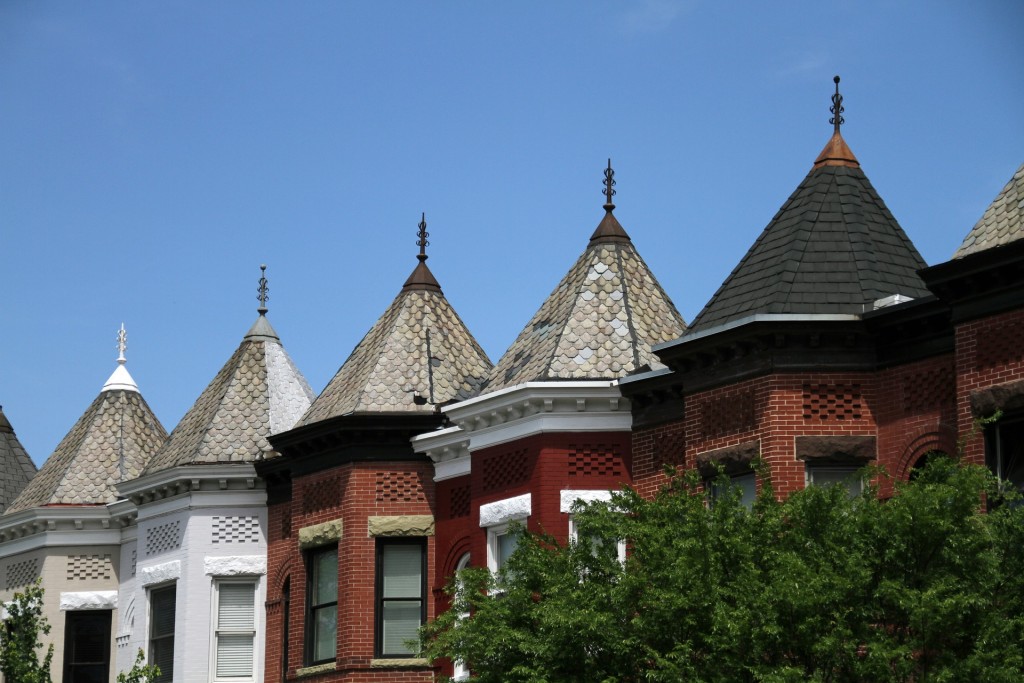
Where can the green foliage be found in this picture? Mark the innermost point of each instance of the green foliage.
(140, 671)
(19, 661)
(820, 587)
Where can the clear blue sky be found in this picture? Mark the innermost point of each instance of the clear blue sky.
(152, 155)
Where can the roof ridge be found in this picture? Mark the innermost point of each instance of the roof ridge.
(628, 307)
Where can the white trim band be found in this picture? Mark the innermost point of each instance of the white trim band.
(568, 498)
(503, 511)
(159, 573)
(78, 600)
(237, 565)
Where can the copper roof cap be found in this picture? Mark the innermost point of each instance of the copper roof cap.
(836, 152)
(609, 229)
(421, 277)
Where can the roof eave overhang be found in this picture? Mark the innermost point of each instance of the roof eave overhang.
(980, 284)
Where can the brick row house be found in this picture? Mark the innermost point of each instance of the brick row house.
(305, 538)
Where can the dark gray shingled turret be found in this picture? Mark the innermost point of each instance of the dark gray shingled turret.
(392, 370)
(1002, 222)
(833, 248)
(109, 444)
(16, 468)
(600, 322)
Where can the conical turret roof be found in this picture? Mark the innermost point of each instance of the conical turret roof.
(16, 468)
(419, 354)
(111, 442)
(833, 248)
(258, 392)
(600, 321)
(1002, 222)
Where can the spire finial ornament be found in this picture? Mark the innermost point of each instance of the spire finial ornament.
(423, 235)
(609, 183)
(263, 290)
(122, 344)
(837, 108)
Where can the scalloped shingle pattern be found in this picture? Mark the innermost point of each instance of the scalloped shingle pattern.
(258, 392)
(599, 323)
(1002, 222)
(110, 443)
(390, 363)
(16, 468)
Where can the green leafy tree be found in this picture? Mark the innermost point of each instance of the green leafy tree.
(19, 641)
(140, 671)
(925, 586)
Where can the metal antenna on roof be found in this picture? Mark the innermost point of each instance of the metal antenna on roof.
(122, 344)
(609, 183)
(423, 235)
(837, 108)
(263, 290)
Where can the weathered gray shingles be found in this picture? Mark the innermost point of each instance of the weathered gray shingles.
(1002, 222)
(110, 443)
(230, 421)
(599, 322)
(390, 362)
(16, 468)
(833, 247)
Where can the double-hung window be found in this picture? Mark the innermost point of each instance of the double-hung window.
(87, 646)
(234, 630)
(501, 543)
(322, 605)
(162, 605)
(401, 588)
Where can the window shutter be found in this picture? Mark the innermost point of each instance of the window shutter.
(403, 565)
(236, 625)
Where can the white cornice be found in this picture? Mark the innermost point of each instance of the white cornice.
(177, 480)
(525, 410)
(67, 519)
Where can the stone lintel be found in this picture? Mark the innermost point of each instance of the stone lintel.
(314, 670)
(733, 459)
(401, 525)
(1006, 396)
(836, 448)
(398, 663)
(320, 534)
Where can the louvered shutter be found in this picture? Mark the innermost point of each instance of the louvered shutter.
(236, 632)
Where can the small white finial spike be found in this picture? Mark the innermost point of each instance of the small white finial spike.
(122, 344)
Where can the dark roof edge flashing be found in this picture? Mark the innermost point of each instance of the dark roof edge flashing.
(754, 319)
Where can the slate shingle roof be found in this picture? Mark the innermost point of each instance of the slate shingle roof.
(16, 468)
(110, 443)
(1002, 222)
(833, 248)
(389, 366)
(258, 392)
(600, 321)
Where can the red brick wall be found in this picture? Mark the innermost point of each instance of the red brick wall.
(353, 493)
(988, 351)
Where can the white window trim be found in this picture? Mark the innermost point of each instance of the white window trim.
(506, 510)
(460, 671)
(620, 546)
(493, 532)
(215, 630)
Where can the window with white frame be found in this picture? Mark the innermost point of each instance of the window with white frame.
(234, 630)
(501, 543)
(162, 607)
(460, 670)
(595, 543)
(832, 474)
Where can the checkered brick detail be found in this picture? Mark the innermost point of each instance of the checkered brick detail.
(505, 469)
(832, 402)
(670, 448)
(594, 461)
(321, 495)
(399, 487)
(22, 573)
(926, 389)
(1000, 345)
(286, 523)
(84, 567)
(728, 414)
(460, 502)
(236, 530)
(160, 539)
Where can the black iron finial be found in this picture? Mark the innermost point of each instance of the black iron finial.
(263, 290)
(837, 108)
(423, 235)
(609, 183)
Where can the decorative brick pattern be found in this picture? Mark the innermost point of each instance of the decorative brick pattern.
(728, 414)
(399, 487)
(670, 447)
(236, 530)
(22, 573)
(135, 557)
(1000, 345)
(321, 495)
(286, 523)
(460, 501)
(160, 539)
(506, 469)
(832, 402)
(84, 567)
(595, 461)
(926, 389)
